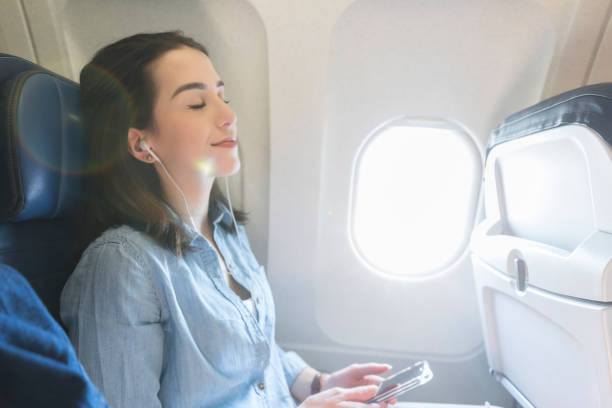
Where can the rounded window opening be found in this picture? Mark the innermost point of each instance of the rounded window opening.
(414, 195)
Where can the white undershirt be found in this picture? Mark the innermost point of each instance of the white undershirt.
(247, 302)
(251, 306)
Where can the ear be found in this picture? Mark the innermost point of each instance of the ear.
(134, 137)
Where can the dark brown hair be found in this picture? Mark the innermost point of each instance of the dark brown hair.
(117, 93)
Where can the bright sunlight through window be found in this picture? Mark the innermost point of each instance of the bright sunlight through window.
(414, 198)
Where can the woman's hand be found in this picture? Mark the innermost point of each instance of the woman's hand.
(356, 375)
(343, 398)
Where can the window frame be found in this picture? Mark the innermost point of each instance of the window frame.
(475, 205)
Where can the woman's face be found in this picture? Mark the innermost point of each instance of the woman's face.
(194, 130)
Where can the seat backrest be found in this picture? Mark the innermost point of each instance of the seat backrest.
(543, 255)
(547, 192)
(41, 160)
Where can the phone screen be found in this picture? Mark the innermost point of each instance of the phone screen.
(402, 381)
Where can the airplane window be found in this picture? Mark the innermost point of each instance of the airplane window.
(413, 198)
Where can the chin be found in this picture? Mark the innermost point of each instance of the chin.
(228, 169)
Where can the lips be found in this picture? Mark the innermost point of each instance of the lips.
(229, 142)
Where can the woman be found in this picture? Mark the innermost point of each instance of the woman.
(168, 306)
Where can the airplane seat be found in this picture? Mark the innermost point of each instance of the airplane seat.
(542, 257)
(42, 157)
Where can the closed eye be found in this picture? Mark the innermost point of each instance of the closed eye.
(199, 106)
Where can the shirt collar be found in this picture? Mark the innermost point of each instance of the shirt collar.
(217, 212)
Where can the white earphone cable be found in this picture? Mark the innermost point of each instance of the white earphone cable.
(182, 195)
(229, 202)
(148, 149)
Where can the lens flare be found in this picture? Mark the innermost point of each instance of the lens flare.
(50, 153)
(48, 148)
(112, 91)
(206, 166)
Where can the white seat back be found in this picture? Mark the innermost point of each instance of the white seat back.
(542, 255)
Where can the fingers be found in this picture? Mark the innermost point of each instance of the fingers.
(369, 368)
(373, 379)
(363, 393)
(350, 397)
(344, 398)
(338, 394)
(362, 405)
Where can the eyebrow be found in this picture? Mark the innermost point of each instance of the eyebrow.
(193, 85)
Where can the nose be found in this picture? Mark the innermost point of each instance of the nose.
(226, 116)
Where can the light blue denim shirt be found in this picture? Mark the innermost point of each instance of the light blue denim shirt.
(152, 329)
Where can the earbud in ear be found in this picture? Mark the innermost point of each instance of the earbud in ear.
(145, 146)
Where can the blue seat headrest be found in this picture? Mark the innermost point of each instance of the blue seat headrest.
(41, 143)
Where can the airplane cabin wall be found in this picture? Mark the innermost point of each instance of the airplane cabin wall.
(310, 82)
(14, 31)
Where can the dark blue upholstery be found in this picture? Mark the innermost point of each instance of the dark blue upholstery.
(41, 160)
(39, 367)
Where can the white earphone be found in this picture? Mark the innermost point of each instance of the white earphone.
(146, 147)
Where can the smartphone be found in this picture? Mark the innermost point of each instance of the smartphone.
(403, 381)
